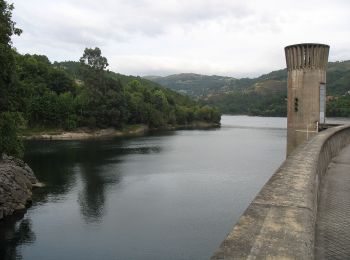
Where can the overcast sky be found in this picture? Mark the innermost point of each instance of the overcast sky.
(162, 37)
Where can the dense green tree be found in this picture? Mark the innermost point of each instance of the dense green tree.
(93, 59)
(181, 115)
(7, 61)
(339, 107)
(9, 140)
(9, 120)
(69, 95)
(59, 81)
(93, 65)
(160, 101)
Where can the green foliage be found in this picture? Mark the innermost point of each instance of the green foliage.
(69, 95)
(9, 141)
(9, 90)
(194, 84)
(7, 63)
(339, 107)
(264, 95)
(93, 59)
(160, 101)
(7, 26)
(92, 66)
(59, 81)
(251, 103)
(207, 114)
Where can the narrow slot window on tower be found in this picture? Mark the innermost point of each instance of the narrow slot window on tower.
(296, 104)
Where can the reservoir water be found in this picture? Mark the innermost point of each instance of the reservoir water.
(166, 195)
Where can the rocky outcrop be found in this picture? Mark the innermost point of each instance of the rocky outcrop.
(16, 182)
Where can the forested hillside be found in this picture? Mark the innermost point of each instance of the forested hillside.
(36, 93)
(84, 94)
(265, 95)
(194, 84)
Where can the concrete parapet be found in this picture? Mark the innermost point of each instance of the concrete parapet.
(280, 222)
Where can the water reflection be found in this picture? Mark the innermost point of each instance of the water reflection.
(96, 176)
(147, 197)
(57, 163)
(13, 233)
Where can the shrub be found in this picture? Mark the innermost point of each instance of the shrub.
(9, 141)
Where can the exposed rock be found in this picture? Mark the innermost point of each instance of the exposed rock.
(16, 183)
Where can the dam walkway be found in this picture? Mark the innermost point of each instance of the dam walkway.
(333, 215)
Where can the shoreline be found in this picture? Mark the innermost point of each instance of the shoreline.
(133, 130)
(85, 133)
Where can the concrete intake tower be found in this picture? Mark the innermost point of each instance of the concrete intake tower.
(306, 65)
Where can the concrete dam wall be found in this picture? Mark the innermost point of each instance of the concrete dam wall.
(280, 223)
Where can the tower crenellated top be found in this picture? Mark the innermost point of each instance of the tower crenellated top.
(307, 56)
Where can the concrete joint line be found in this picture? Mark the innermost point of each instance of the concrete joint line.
(283, 206)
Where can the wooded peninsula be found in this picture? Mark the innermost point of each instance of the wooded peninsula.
(38, 95)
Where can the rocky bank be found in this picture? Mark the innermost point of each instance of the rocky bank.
(16, 182)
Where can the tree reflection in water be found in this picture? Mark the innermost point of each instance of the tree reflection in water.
(56, 163)
(14, 231)
(99, 168)
(96, 176)
(61, 165)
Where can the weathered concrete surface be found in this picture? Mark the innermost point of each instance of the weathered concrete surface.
(280, 222)
(306, 64)
(333, 216)
(16, 182)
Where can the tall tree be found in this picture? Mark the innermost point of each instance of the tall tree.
(7, 61)
(9, 142)
(93, 66)
(94, 59)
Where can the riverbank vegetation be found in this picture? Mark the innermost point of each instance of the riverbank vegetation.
(9, 117)
(36, 93)
(69, 95)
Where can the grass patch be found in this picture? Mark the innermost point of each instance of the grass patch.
(131, 128)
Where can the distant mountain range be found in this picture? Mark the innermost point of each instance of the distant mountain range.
(195, 84)
(264, 95)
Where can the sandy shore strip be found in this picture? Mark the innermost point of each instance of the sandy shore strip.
(87, 134)
(82, 134)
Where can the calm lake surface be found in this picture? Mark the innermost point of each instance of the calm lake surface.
(168, 195)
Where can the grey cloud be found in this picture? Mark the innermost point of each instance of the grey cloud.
(235, 35)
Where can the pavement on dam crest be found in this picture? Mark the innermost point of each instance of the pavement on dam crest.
(333, 219)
